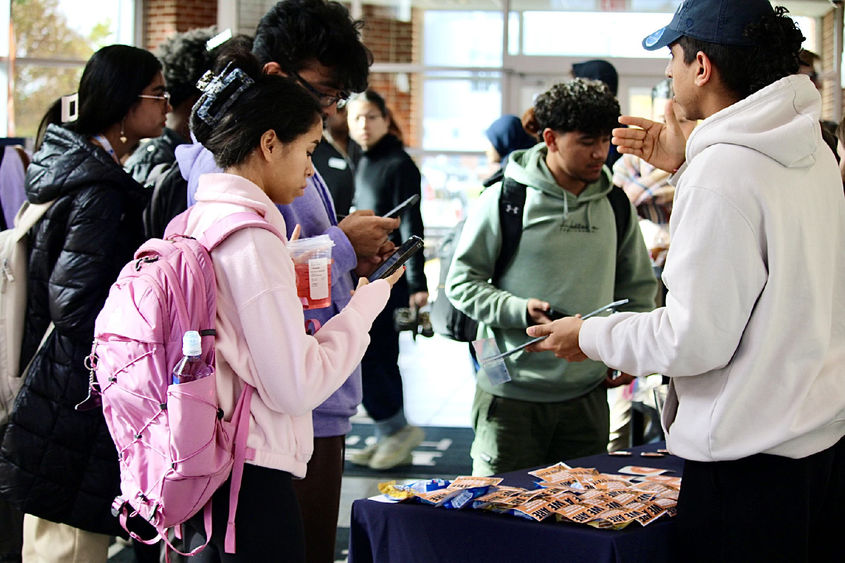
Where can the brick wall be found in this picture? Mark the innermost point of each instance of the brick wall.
(163, 18)
(392, 41)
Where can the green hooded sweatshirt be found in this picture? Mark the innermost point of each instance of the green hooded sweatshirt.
(567, 256)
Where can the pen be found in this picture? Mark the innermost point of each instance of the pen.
(539, 338)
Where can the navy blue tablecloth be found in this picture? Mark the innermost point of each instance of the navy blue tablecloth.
(381, 532)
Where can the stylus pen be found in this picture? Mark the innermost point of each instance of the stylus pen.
(540, 338)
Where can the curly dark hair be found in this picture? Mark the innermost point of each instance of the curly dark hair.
(185, 59)
(295, 33)
(745, 70)
(582, 105)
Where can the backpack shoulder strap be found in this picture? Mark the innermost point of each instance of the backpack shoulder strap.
(621, 212)
(28, 215)
(497, 176)
(218, 232)
(511, 203)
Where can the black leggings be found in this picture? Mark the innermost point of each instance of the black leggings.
(268, 525)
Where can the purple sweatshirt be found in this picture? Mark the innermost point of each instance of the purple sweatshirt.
(314, 211)
(12, 192)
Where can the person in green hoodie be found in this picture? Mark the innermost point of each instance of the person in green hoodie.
(568, 260)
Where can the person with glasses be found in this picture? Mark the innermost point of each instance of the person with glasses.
(326, 99)
(316, 43)
(59, 465)
(185, 57)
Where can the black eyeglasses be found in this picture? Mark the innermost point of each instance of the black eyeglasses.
(326, 100)
(165, 97)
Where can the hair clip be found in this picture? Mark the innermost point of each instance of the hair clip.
(218, 39)
(220, 92)
(205, 80)
(70, 107)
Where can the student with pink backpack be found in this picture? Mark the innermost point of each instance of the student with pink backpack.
(262, 130)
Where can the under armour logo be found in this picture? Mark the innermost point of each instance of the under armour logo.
(512, 209)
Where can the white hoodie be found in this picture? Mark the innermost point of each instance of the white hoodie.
(752, 334)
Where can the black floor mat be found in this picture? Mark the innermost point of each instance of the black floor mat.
(443, 453)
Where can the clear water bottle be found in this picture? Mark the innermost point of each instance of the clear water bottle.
(191, 366)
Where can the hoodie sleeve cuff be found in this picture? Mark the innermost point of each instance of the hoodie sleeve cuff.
(676, 174)
(515, 313)
(588, 337)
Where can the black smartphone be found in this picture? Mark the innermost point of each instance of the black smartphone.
(555, 314)
(398, 258)
(402, 207)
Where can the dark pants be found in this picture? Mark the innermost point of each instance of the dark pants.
(319, 498)
(11, 533)
(268, 525)
(381, 380)
(511, 434)
(764, 508)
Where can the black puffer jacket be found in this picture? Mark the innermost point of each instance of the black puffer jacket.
(161, 150)
(154, 166)
(55, 462)
(385, 177)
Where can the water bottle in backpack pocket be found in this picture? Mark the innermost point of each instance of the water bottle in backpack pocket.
(191, 367)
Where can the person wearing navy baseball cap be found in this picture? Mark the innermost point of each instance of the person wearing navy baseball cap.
(722, 22)
(752, 336)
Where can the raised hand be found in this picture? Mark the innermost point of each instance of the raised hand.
(660, 144)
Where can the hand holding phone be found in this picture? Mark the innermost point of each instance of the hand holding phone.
(402, 207)
(398, 258)
(555, 314)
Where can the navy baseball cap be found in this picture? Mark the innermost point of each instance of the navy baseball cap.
(716, 21)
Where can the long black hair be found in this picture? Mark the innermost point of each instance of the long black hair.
(110, 84)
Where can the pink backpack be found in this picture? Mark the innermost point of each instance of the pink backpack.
(174, 447)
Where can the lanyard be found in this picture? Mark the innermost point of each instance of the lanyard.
(106, 145)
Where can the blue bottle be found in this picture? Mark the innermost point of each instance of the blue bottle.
(191, 367)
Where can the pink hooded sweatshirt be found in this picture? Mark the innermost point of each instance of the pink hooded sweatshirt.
(261, 338)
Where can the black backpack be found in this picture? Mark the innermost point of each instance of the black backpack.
(457, 325)
(169, 197)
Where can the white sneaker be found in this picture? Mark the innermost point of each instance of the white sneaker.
(396, 449)
(363, 457)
